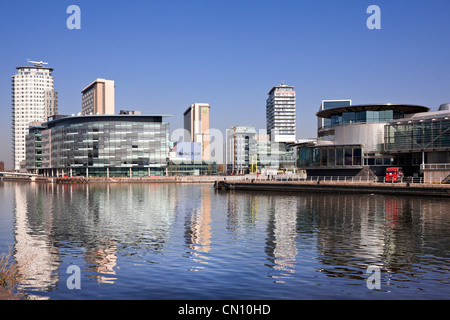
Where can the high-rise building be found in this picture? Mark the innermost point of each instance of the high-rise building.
(196, 124)
(98, 98)
(51, 103)
(33, 99)
(280, 113)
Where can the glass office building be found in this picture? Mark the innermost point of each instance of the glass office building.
(34, 148)
(108, 146)
(250, 152)
(416, 135)
(329, 156)
(424, 137)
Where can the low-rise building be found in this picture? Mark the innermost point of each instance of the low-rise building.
(250, 152)
(185, 159)
(100, 145)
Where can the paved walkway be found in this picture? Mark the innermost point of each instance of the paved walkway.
(5, 295)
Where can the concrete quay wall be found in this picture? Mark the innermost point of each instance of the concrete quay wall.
(442, 190)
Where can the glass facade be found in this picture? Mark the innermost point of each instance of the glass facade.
(327, 105)
(248, 152)
(330, 156)
(190, 168)
(34, 148)
(409, 136)
(363, 117)
(115, 146)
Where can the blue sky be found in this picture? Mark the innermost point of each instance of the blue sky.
(165, 55)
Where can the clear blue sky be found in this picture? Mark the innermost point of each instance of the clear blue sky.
(165, 55)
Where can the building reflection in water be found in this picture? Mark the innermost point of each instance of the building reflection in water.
(357, 231)
(245, 212)
(54, 222)
(198, 234)
(350, 235)
(284, 237)
(281, 233)
(34, 250)
(340, 235)
(101, 257)
(133, 219)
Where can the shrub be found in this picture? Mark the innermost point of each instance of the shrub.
(10, 276)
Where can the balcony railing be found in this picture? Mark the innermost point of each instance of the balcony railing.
(345, 179)
(435, 166)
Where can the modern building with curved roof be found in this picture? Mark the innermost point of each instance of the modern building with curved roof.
(350, 140)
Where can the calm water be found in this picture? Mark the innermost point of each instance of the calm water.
(167, 241)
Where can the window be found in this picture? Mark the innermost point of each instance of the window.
(348, 156)
(339, 157)
(323, 158)
(357, 156)
(331, 157)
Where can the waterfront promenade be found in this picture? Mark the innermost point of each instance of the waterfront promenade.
(285, 183)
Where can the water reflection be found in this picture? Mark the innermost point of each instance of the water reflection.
(198, 233)
(281, 233)
(122, 233)
(407, 237)
(96, 222)
(34, 249)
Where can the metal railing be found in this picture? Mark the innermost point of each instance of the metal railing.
(435, 166)
(351, 179)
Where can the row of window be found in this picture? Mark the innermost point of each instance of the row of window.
(362, 117)
(332, 157)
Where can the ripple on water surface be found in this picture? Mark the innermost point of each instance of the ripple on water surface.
(169, 241)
